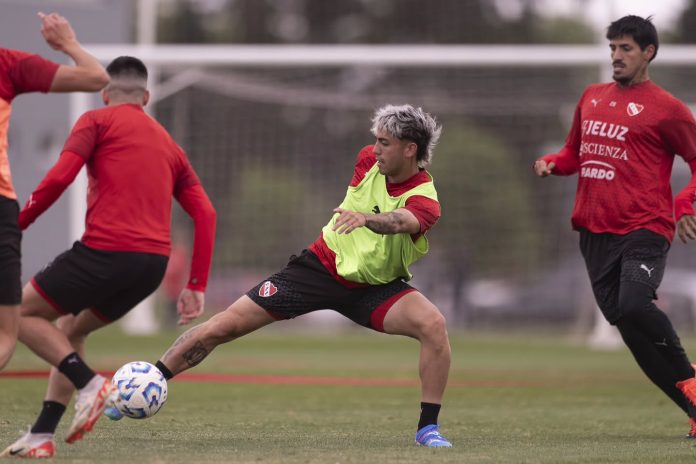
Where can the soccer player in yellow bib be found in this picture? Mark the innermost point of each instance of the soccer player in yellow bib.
(359, 265)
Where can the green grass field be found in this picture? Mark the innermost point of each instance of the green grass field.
(513, 399)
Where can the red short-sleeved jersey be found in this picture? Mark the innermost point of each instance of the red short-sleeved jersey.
(622, 144)
(20, 72)
(134, 167)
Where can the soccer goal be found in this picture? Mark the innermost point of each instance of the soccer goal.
(273, 132)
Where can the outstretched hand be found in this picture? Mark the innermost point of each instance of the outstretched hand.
(542, 169)
(686, 227)
(190, 305)
(57, 31)
(347, 221)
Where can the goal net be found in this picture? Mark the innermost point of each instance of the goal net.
(273, 132)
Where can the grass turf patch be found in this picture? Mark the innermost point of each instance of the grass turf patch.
(512, 399)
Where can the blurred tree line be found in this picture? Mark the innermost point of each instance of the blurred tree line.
(362, 21)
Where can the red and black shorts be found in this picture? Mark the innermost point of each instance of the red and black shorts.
(10, 253)
(110, 283)
(305, 285)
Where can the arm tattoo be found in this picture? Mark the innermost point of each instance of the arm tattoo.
(386, 223)
(194, 355)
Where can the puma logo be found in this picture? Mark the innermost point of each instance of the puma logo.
(647, 269)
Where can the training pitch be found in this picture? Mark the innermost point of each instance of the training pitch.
(282, 396)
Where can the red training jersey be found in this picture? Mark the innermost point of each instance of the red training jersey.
(622, 143)
(426, 210)
(20, 72)
(134, 168)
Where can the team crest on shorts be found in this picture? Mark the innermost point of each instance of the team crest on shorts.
(267, 289)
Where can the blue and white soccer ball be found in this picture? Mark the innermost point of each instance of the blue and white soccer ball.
(142, 389)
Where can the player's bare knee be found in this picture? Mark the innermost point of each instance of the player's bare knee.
(433, 327)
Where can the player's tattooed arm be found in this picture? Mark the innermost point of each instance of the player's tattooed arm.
(394, 222)
(399, 221)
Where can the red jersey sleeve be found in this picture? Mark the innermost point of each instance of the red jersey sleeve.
(196, 203)
(426, 210)
(24, 72)
(186, 177)
(364, 161)
(84, 136)
(61, 175)
(567, 160)
(33, 73)
(679, 132)
(684, 201)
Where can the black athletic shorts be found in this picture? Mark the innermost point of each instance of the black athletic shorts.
(110, 283)
(639, 256)
(10, 253)
(305, 285)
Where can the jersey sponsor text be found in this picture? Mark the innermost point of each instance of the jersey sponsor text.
(597, 170)
(604, 129)
(587, 148)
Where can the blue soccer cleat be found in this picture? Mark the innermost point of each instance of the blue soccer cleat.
(113, 413)
(430, 437)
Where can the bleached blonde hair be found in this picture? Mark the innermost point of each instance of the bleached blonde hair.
(408, 123)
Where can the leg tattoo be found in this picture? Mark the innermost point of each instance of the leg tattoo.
(195, 354)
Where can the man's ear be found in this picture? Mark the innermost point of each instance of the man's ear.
(412, 149)
(649, 52)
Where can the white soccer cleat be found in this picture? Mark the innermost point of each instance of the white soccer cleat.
(89, 407)
(31, 445)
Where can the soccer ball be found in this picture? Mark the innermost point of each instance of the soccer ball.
(142, 389)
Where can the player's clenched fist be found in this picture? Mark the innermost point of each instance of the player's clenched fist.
(56, 30)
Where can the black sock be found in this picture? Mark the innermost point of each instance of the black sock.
(47, 422)
(75, 369)
(428, 416)
(164, 370)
